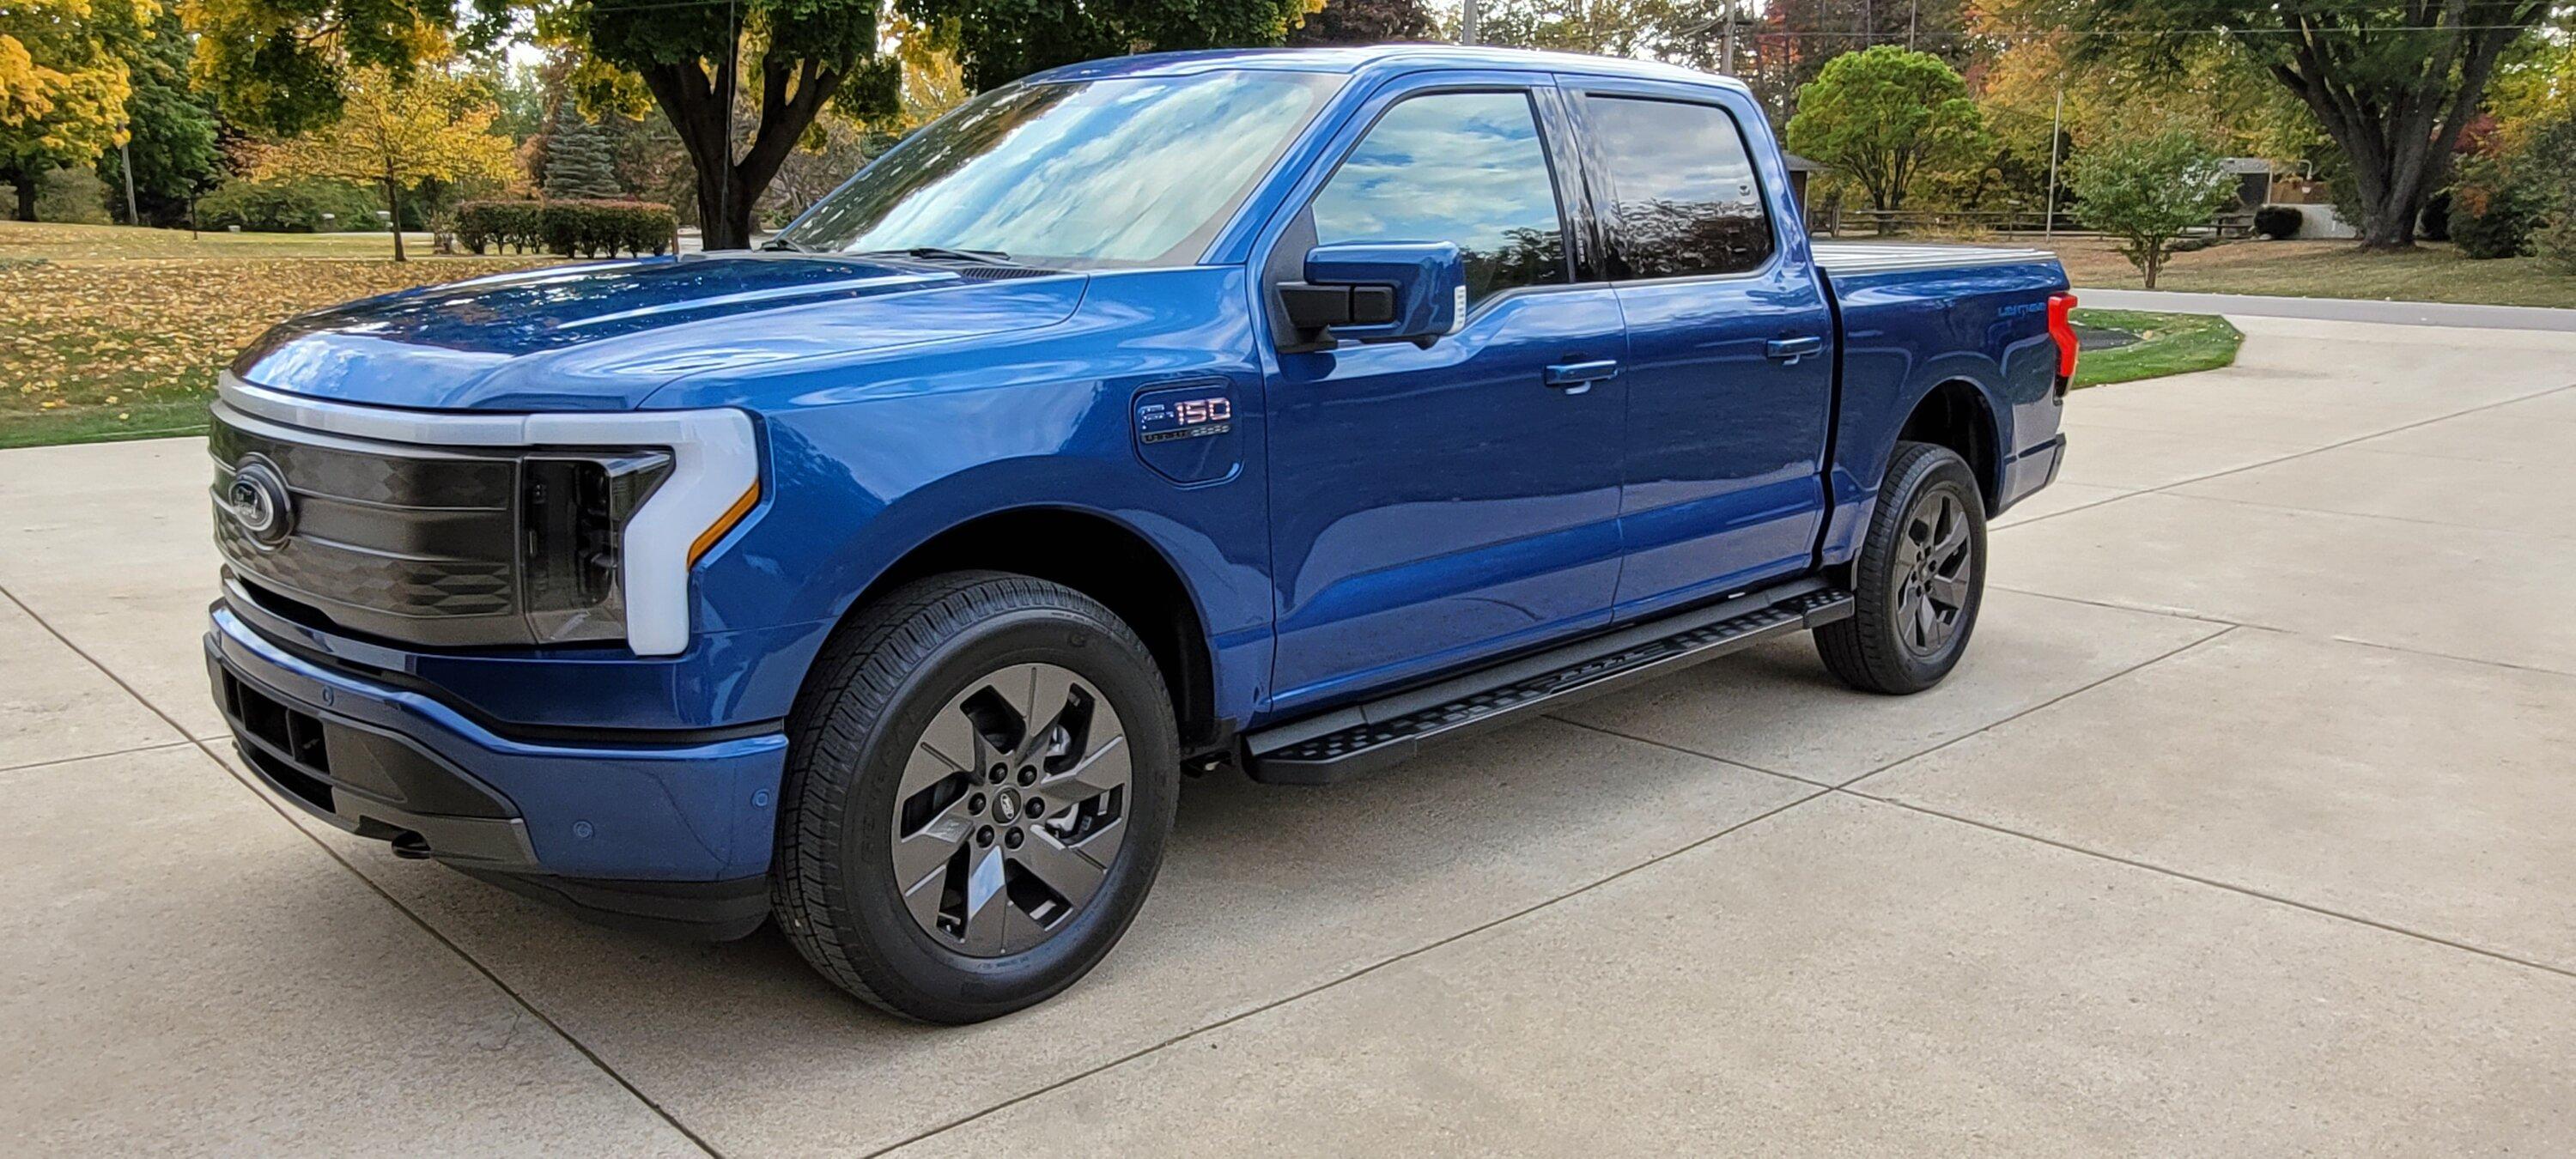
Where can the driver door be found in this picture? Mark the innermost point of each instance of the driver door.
(1434, 505)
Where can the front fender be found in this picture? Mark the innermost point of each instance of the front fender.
(870, 462)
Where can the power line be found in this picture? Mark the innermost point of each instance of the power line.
(1758, 31)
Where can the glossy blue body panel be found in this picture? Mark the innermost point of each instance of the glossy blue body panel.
(1373, 515)
(1904, 335)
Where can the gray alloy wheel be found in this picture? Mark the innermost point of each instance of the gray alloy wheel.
(982, 774)
(1918, 580)
(1938, 562)
(1011, 810)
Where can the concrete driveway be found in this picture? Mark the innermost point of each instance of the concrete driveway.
(2249, 825)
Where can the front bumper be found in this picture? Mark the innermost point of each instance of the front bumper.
(673, 836)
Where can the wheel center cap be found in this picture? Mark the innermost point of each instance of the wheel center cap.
(1006, 806)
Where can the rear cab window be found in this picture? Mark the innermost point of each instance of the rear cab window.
(1686, 198)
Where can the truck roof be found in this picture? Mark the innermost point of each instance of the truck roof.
(1378, 58)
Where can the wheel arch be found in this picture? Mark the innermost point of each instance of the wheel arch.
(1100, 557)
(1957, 414)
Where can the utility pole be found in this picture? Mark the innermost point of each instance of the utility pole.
(1467, 22)
(2048, 218)
(125, 158)
(1726, 60)
(1913, 20)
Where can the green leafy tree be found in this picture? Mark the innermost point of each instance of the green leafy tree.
(2393, 82)
(278, 63)
(801, 56)
(1884, 117)
(63, 86)
(1002, 40)
(173, 132)
(581, 162)
(1365, 22)
(2146, 190)
(398, 133)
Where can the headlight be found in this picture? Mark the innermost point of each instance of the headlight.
(572, 525)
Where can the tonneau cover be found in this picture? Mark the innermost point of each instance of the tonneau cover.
(1869, 257)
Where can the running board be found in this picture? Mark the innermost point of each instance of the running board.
(1366, 738)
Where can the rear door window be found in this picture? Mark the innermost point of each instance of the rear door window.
(1683, 183)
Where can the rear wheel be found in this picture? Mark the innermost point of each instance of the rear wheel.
(981, 780)
(1919, 580)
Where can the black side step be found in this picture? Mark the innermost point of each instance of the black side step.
(1353, 741)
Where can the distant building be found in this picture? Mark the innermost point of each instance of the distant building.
(1799, 168)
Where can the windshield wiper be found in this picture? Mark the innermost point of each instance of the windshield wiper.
(782, 242)
(944, 253)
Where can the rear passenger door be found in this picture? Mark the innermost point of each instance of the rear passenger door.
(1730, 360)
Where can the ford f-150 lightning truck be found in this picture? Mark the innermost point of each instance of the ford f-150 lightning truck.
(1281, 411)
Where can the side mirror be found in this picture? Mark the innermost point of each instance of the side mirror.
(1377, 292)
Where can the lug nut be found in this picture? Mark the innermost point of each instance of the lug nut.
(975, 804)
(984, 836)
(1037, 807)
(1028, 774)
(1013, 840)
(999, 772)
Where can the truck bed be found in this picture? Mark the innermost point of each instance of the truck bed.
(1876, 257)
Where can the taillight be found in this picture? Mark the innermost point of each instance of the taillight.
(2062, 330)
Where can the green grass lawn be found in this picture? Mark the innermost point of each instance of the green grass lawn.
(113, 332)
(2433, 272)
(2167, 344)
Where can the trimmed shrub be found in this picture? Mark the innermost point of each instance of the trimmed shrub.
(2278, 222)
(602, 228)
(289, 207)
(2491, 218)
(72, 196)
(570, 228)
(486, 226)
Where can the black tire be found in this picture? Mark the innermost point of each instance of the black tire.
(891, 673)
(1884, 646)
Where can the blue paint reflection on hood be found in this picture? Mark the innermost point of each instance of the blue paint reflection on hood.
(606, 336)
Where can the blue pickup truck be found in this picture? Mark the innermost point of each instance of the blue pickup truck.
(1274, 411)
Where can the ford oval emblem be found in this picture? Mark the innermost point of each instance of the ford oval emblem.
(260, 503)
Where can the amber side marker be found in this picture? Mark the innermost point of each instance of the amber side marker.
(724, 523)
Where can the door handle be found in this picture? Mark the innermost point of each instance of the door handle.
(1793, 349)
(1579, 376)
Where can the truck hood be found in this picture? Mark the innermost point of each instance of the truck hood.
(606, 336)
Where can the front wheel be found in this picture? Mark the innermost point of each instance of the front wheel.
(982, 774)
(1919, 579)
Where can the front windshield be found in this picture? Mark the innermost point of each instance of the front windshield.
(1129, 171)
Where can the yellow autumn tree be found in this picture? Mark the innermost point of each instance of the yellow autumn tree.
(63, 85)
(395, 132)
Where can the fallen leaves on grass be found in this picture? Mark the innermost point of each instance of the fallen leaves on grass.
(99, 333)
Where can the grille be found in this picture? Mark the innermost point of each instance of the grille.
(390, 540)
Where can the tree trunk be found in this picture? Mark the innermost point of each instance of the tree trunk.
(393, 205)
(2399, 148)
(724, 209)
(728, 187)
(28, 183)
